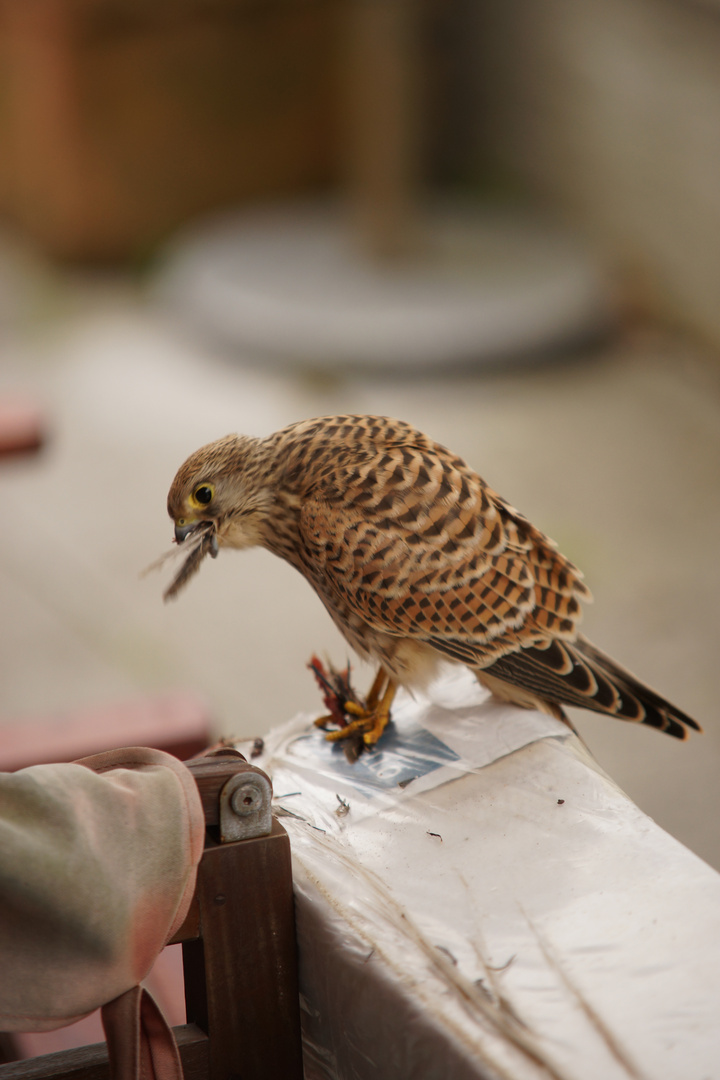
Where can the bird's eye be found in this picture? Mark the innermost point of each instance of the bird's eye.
(203, 494)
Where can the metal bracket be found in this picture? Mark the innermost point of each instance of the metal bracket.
(245, 806)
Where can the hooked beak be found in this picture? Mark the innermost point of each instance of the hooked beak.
(183, 531)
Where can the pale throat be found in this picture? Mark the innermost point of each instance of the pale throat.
(251, 525)
(242, 531)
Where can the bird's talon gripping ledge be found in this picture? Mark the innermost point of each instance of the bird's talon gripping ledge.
(380, 722)
(347, 731)
(355, 710)
(357, 722)
(323, 720)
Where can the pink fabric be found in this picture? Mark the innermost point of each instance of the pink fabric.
(98, 863)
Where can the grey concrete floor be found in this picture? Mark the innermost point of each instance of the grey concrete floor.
(614, 453)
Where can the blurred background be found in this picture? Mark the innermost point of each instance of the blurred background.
(498, 221)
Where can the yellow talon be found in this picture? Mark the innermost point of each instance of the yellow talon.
(381, 722)
(371, 720)
(349, 729)
(355, 710)
(323, 720)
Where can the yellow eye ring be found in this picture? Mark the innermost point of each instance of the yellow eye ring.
(203, 494)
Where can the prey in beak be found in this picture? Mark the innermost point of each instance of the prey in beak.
(184, 529)
(200, 538)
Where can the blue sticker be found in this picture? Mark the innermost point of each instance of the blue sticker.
(402, 757)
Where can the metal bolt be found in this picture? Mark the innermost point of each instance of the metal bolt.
(245, 806)
(242, 801)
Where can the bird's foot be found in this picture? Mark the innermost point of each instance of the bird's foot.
(359, 723)
(368, 722)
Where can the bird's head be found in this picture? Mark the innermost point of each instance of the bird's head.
(222, 486)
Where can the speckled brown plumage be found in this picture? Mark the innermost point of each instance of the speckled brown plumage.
(415, 558)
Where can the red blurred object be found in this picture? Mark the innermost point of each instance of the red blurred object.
(177, 722)
(23, 426)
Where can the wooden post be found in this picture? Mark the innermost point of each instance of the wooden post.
(381, 90)
(241, 974)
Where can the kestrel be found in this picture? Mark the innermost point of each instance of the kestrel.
(416, 559)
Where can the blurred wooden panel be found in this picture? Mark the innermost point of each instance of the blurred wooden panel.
(120, 120)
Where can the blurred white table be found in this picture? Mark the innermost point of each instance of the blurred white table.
(290, 284)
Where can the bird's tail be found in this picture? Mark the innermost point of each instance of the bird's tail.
(638, 701)
(577, 673)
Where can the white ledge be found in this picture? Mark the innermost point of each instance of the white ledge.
(521, 918)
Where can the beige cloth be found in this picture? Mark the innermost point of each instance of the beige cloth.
(98, 862)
